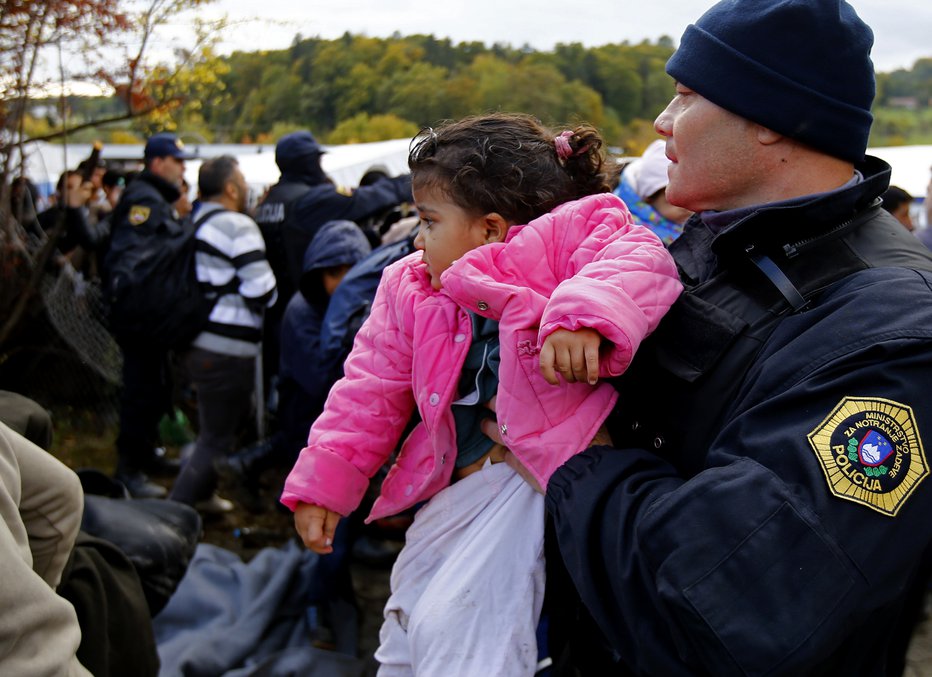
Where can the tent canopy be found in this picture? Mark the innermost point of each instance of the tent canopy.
(345, 164)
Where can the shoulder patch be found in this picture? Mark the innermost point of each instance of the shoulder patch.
(870, 452)
(138, 215)
(343, 190)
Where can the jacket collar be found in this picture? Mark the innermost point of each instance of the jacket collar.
(305, 178)
(781, 226)
(167, 190)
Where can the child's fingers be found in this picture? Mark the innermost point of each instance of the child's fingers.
(309, 523)
(330, 527)
(592, 363)
(563, 361)
(313, 531)
(308, 529)
(491, 430)
(547, 360)
(570, 364)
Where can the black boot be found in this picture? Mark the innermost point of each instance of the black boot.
(138, 484)
(247, 463)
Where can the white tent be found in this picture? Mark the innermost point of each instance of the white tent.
(911, 171)
(345, 164)
(911, 167)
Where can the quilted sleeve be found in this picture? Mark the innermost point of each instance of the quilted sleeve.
(618, 279)
(366, 410)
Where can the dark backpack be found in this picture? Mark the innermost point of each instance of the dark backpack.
(153, 293)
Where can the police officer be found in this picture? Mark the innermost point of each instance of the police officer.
(295, 155)
(763, 504)
(145, 205)
(302, 201)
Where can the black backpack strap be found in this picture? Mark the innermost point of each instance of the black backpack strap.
(204, 218)
(233, 284)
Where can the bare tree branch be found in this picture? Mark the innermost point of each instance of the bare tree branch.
(122, 117)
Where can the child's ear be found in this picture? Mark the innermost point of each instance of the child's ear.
(496, 227)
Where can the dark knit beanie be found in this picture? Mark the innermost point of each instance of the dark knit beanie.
(295, 151)
(799, 67)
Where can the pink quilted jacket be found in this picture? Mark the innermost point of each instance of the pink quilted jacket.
(585, 264)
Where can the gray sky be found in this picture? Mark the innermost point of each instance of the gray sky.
(902, 28)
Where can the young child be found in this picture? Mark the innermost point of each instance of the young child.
(488, 306)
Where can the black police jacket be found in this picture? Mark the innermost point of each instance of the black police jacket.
(325, 202)
(76, 231)
(765, 508)
(271, 216)
(146, 203)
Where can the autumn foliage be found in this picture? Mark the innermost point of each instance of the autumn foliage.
(50, 47)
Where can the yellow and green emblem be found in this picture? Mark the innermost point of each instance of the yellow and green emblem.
(870, 452)
(138, 214)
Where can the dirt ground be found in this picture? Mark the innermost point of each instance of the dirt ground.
(272, 528)
(919, 656)
(83, 441)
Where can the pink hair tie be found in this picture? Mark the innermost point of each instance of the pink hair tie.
(562, 144)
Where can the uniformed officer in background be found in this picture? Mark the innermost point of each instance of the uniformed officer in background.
(146, 203)
(295, 208)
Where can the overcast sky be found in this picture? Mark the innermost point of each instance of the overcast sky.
(902, 28)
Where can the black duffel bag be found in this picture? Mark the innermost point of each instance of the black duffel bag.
(158, 536)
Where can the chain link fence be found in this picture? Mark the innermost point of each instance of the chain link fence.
(62, 354)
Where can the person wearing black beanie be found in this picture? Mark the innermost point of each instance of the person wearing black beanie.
(296, 207)
(799, 67)
(760, 503)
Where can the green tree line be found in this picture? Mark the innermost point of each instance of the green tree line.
(336, 87)
(357, 89)
(894, 126)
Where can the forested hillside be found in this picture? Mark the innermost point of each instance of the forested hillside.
(358, 88)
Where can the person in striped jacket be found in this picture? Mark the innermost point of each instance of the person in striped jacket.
(221, 361)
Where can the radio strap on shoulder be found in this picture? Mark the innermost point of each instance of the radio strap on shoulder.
(779, 280)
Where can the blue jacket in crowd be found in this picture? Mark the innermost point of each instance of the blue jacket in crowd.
(338, 243)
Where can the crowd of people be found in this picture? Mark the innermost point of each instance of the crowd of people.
(659, 419)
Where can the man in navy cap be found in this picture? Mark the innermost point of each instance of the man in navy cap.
(298, 157)
(302, 201)
(146, 205)
(762, 505)
(305, 198)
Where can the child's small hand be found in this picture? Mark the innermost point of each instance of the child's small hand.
(575, 354)
(316, 525)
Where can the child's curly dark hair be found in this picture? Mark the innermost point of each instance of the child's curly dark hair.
(508, 163)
